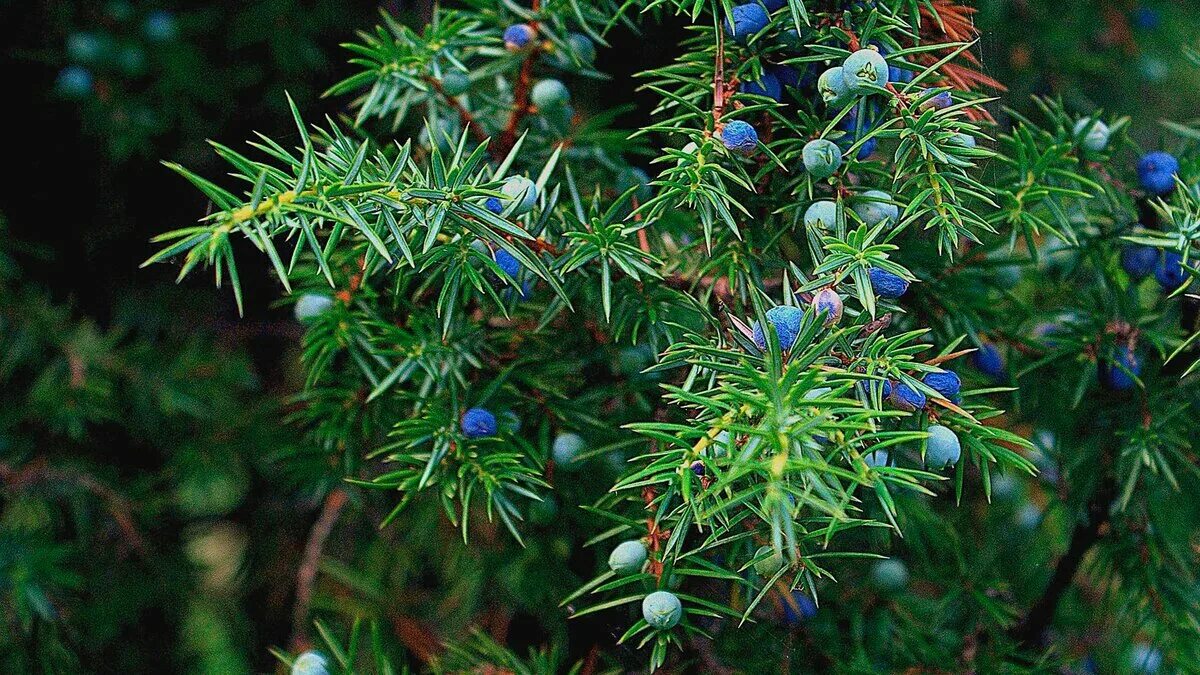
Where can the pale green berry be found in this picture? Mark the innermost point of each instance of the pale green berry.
(549, 93)
(875, 207)
(822, 158)
(822, 214)
(864, 69)
(628, 557)
(455, 82)
(832, 86)
(662, 610)
(521, 192)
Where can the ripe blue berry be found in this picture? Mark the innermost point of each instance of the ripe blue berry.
(875, 207)
(786, 322)
(904, 397)
(74, 82)
(942, 449)
(938, 101)
(628, 557)
(876, 459)
(768, 85)
(566, 450)
(822, 214)
(988, 360)
(507, 263)
(767, 561)
(310, 663)
(787, 76)
(887, 285)
(864, 69)
(455, 82)
(822, 158)
(832, 86)
(517, 36)
(661, 609)
(697, 468)
(1092, 134)
(312, 305)
(1139, 261)
(798, 607)
(746, 21)
(521, 192)
(739, 137)
(1118, 373)
(549, 93)
(1170, 273)
(1156, 172)
(582, 48)
(829, 304)
(477, 423)
(890, 576)
(494, 205)
(944, 382)
(773, 5)
(159, 25)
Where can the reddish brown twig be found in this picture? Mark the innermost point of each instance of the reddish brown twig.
(521, 107)
(307, 575)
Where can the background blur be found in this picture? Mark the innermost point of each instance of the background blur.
(183, 413)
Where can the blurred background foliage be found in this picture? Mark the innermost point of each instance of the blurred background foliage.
(120, 389)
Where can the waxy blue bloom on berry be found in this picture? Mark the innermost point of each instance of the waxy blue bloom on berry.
(1170, 273)
(310, 663)
(829, 304)
(798, 607)
(785, 319)
(74, 82)
(890, 576)
(628, 557)
(1092, 134)
(549, 93)
(582, 47)
(832, 86)
(747, 21)
(876, 459)
(942, 449)
(455, 82)
(786, 75)
(494, 205)
(822, 214)
(944, 382)
(768, 85)
(773, 5)
(1156, 172)
(1145, 659)
(1139, 261)
(566, 450)
(887, 285)
(739, 137)
(864, 69)
(875, 207)
(938, 101)
(988, 360)
(661, 609)
(159, 25)
(517, 36)
(477, 423)
(312, 305)
(822, 158)
(520, 191)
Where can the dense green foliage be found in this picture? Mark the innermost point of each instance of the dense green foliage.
(799, 491)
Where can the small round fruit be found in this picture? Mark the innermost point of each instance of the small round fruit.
(1170, 272)
(832, 86)
(785, 319)
(566, 450)
(822, 215)
(822, 158)
(945, 382)
(864, 69)
(768, 561)
(518, 36)
(74, 82)
(829, 304)
(890, 576)
(549, 93)
(989, 361)
(876, 459)
(312, 305)
(1092, 134)
(942, 449)
(507, 263)
(904, 397)
(477, 423)
(1156, 172)
(767, 86)
(938, 101)
(746, 21)
(798, 607)
(739, 137)
(887, 285)
(310, 663)
(582, 48)
(521, 192)
(1139, 261)
(1119, 373)
(875, 207)
(455, 82)
(662, 609)
(628, 557)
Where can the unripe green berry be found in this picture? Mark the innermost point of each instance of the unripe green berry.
(310, 663)
(662, 610)
(864, 69)
(768, 561)
(566, 450)
(549, 93)
(822, 158)
(874, 208)
(521, 192)
(890, 576)
(832, 86)
(822, 215)
(628, 557)
(455, 82)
